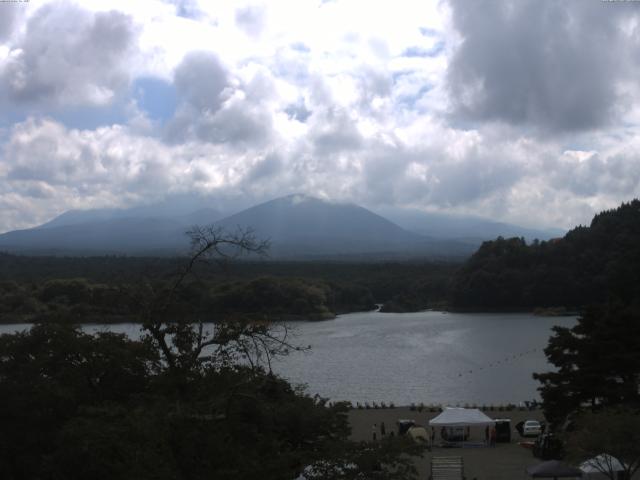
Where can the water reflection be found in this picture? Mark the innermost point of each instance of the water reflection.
(430, 357)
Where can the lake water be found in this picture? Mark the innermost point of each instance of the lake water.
(430, 357)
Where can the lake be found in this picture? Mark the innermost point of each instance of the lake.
(404, 358)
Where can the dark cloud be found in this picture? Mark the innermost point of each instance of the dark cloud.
(267, 167)
(334, 133)
(400, 174)
(374, 83)
(237, 124)
(589, 174)
(251, 19)
(213, 110)
(69, 56)
(474, 178)
(298, 111)
(200, 80)
(554, 65)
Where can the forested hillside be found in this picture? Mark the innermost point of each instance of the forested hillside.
(107, 289)
(589, 265)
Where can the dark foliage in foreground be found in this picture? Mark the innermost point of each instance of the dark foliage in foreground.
(609, 439)
(597, 361)
(77, 406)
(187, 401)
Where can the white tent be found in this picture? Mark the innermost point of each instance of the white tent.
(601, 464)
(461, 417)
(456, 426)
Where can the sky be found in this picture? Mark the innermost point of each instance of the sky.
(523, 111)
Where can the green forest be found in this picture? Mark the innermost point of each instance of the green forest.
(108, 289)
(588, 265)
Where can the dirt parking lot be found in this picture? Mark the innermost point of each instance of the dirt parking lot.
(505, 461)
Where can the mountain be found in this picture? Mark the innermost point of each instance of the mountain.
(157, 229)
(97, 237)
(297, 226)
(462, 227)
(303, 226)
(181, 211)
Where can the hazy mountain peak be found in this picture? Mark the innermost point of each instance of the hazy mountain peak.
(301, 199)
(297, 225)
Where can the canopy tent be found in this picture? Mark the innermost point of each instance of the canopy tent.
(603, 463)
(554, 469)
(456, 425)
(461, 417)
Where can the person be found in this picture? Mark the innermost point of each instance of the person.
(374, 431)
(383, 430)
(486, 435)
(493, 436)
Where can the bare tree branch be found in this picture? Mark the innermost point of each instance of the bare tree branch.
(186, 344)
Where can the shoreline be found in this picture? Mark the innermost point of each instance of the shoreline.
(328, 316)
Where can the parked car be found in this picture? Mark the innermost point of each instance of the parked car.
(531, 428)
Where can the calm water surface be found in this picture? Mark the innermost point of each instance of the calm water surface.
(430, 357)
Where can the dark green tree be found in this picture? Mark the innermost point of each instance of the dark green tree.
(48, 375)
(597, 363)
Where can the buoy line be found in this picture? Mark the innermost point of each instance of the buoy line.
(503, 361)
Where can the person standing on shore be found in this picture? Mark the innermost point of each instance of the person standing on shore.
(383, 429)
(374, 431)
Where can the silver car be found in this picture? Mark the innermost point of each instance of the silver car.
(531, 428)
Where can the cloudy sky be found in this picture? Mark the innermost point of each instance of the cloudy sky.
(524, 111)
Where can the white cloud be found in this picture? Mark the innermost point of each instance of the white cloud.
(68, 56)
(348, 100)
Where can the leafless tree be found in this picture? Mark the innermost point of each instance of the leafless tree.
(188, 344)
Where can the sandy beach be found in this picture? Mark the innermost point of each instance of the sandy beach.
(505, 461)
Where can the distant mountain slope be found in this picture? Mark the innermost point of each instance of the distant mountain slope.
(298, 226)
(470, 228)
(588, 265)
(303, 224)
(181, 214)
(113, 236)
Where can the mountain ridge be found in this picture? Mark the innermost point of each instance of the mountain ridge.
(298, 225)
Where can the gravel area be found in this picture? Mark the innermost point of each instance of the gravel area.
(505, 461)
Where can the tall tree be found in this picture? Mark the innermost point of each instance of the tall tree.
(597, 363)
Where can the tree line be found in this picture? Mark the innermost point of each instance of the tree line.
(588, 265)
(103, 289)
